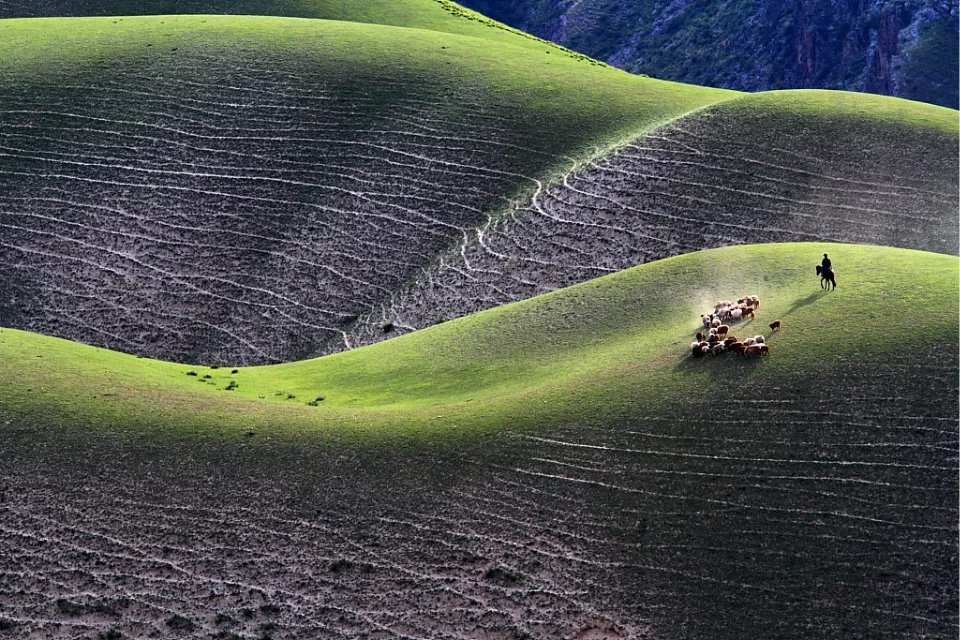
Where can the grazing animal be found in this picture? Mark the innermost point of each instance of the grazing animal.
(737, 347)
(775, 325)
(704, 349)
(699, 336)
(827, 277)
(713, 338)
(764, 350)
(736, 313)
(716, 323)
(750, 341)
(695, 350)
(718, 349)
(722, 330)
(748, 312)
(729, 341)
(759, 339)
(752, 351)
(706, 320)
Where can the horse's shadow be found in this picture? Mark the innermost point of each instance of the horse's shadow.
(802, 302)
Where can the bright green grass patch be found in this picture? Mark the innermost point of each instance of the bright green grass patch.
(435, 15)
(605, 350)
(853, 107)
(568, 105)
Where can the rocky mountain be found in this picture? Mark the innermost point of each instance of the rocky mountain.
(905, 48)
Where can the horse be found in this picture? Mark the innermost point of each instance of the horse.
(826, 276)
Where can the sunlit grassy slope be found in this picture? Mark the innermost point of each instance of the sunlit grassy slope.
(605, 350)
(569, 102)
(435, 15)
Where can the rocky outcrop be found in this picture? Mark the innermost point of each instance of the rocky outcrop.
(907, 48)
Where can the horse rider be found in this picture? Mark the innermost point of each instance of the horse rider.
(825, 263)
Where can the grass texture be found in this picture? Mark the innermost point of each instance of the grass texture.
(604, 350)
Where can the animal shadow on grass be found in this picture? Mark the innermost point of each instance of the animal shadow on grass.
(802, 302)
(722, 366)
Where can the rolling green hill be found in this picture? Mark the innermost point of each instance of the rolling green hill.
(562, 456)
(236, 189)
(240, 190)
(601, 352)
(296, 170)
(797, 166)
(433, 15)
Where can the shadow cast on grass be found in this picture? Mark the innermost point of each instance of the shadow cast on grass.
(810, 299)
(720, 367)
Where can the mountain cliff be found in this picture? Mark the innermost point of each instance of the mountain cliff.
(906, 48)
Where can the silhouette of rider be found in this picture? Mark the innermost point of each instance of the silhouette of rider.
(825, 263)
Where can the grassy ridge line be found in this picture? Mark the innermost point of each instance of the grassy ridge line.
(435, 15)
(605, 350)
(575, 108)
(827, 105)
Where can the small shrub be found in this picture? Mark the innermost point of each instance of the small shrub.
(316, 401)
(270, 609)
(6, 624)
(230, 387)
(223, 618)
(340, 565)
(68, 608)
(388, 327)
(180, 623)
(191, 373)
(290, 396)
(235, 371)
(501, 575)
(207, 376)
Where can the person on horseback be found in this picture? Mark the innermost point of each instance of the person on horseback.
(825, 271)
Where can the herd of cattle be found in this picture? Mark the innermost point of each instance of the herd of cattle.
(716, 339)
